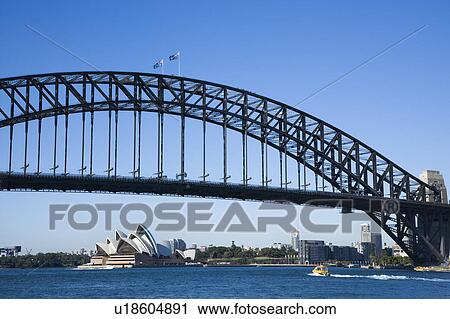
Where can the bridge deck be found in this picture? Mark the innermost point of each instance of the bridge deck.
(157, 186)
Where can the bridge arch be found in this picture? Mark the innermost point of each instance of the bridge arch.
(345, 162)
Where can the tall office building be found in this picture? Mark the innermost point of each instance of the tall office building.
(378, 243)
(295, 240)
(435, 178)
(371, 242)
(366, 236)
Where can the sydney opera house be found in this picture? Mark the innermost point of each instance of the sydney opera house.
(140, 249)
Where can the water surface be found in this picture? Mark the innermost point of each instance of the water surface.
(226, 282)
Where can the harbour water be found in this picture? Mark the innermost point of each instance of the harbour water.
(221, 282)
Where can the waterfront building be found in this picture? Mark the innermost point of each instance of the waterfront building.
(276, 245)
(312, 251)
(398, 251)
(344, 253)
(10, 251)
(140, 249)
(281, 246)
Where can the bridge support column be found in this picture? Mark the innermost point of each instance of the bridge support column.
(224, 136)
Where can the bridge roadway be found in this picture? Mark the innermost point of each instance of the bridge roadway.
(164, 186)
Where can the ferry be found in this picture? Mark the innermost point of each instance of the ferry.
(94, 267)
(433, 269)
(321, 271)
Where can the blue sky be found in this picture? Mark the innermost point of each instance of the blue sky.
(398, 103)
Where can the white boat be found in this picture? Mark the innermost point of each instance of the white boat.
(353, 266)
(92, 267)
(367, 267)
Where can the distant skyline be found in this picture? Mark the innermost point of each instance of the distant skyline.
(398, 103)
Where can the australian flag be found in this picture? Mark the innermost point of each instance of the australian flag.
(174, 56)
(158, 64)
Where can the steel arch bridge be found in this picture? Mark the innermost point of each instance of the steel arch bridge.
(325, 157)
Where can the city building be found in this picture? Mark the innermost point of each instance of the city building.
(276, 245)
(371, 242)
(295, 240)
(378, 243)
(312, 251)
(281, 246)
(139, 249)
(398, 251)
(344, 253)
(10, 251)
(436, 179)
(388, 250)
(367, 249)
(366, 236)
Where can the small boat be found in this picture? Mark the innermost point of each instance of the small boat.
(321, 271)
(367, 267)
(94, 267)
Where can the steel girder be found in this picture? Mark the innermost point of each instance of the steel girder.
(346, 163)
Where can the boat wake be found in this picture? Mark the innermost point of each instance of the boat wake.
(315, 275)
(390, 277)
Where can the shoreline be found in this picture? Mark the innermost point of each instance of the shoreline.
(220, 266)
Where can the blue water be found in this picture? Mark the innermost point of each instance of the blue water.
(232, 282)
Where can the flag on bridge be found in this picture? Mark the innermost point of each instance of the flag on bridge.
(158, 64)
(175, 56)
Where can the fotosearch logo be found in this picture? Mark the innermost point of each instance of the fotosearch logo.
(169, 216)
(196, 216)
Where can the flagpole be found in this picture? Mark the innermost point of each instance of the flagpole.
(162, 66)
(179, 64)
